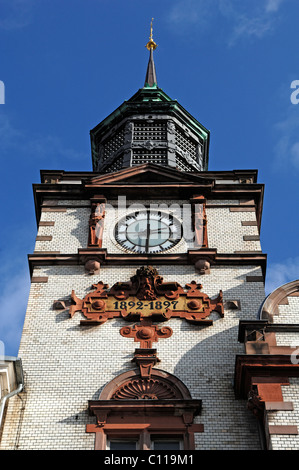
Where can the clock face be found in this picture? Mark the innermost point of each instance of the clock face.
(148, 232)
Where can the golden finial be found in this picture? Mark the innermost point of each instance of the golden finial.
(151, 44)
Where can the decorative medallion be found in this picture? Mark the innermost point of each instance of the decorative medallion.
(146, 299)
(146, 295)
(144, 389)
(146, 333)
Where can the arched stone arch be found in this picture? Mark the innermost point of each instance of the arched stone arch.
(162, 398)
(270, 306)
(160, 385)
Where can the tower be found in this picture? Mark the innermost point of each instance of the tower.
(146, 280)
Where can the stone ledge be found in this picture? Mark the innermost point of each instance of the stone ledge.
(254, 279)
(282, 429)
(53, 209)
(37, 279)
(279, 406)
(242, 209)
(46, 223)
(44, 238)
(247, 223)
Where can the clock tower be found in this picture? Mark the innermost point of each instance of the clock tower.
(143, 271)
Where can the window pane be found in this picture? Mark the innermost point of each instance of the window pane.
(167, 445)
(122, 445)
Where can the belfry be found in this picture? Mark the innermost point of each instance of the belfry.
(147, 325)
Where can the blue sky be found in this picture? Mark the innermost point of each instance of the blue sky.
(67, 64)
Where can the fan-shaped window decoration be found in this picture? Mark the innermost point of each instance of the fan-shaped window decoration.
(163, 399)
(144, 389)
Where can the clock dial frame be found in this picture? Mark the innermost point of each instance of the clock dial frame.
(148, 232)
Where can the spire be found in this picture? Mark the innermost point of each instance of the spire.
(151, 79)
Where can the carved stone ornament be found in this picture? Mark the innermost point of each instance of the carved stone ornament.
(171, 127)
(96, 224)
(202, 266)
(145, 389)
(146, 295)
(200, 223)
(255, 403)
(146, 298)
(146, 333)
(146, 359)
(92, 266)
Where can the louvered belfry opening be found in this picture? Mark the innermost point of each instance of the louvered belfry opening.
(162, 139)
(150, 127)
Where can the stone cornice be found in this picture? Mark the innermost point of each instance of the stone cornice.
(85, 185)
(265, 326)
(254, 367)
(113, 259)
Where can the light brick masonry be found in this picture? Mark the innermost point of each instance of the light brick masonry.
(286, 418)
(226, 237)
(66, 365)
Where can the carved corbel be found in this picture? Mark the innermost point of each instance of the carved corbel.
(202, 266)
(145, 359)
(101, 417)
(188, 418)
(255, 403)
(92, 267)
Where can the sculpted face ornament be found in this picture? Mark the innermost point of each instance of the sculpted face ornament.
(146, 298)
(146, 295)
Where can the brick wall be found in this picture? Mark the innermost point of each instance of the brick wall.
(286, 418)
(66, 365)
(225, 229)
(287, 314)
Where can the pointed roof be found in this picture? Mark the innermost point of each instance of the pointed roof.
(150, 103)
(151, 78)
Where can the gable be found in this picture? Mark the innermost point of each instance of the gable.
(149, 173)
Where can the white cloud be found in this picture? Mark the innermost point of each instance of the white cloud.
(38, 147)
(286, 150)
(273, 5)
(250, 27)
(8, 134)
(13, 301)
(184, 13)
(253, 19)
(295, 155)
(15, 14)
(281, 273)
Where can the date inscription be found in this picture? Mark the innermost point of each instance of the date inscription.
(141, 305)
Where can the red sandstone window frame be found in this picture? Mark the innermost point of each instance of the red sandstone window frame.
(145, 419)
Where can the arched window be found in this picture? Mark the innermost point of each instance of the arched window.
(137, 413)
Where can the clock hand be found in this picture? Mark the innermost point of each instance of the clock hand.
(144, 233)
(159, 230)
(137, 233)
